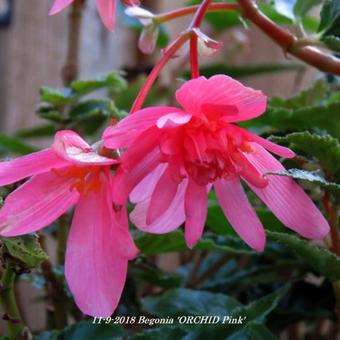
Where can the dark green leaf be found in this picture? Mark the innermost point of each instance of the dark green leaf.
(93, 107)
(12, 144)
(25, 250)
(182, 301)
(314, 257)
(151, 244)
(111, 81)
(330, 18)
(253, 331)
(40, 131)
(332, 42)
(84, 330)
(324, 148)
(55, 97)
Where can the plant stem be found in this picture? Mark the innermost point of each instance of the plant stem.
(70, 70)
(181, 12)
(8, 302)
(167, 55)
(62, 238)
(310, 55)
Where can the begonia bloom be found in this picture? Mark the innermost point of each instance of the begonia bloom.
(175, 156)
(106, 9)
(99, 244)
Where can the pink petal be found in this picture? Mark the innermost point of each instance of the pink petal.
(129, 128)
(93, 262)
(145, 188)
(162, 196)
(59, 5)
(70, 146)
(107, 12)
(172, 120)
(240, 213)
(272, 147)
(172, 218)
(126, 180)
(222, 91)
(196, 208)
(29, 165)
(36, 204)
(287, 200)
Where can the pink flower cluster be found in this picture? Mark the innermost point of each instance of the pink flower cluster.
(172, 158)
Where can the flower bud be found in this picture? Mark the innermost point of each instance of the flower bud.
(206, 46)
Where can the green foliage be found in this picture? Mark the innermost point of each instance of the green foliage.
(84, 330)
(24, 251)
(330, 18)
(13, 144)
(312, 256)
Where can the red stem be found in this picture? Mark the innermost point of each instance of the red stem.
(168, 54)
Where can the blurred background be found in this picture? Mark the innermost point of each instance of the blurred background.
(33, 49)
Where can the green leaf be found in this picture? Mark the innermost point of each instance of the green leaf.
(302, 7)
(25, 250)
(332, 42)
(111, 81)
(151, 244)
(253, 331)
(12, 144)
(164, 333)
(330, 18)
(313, 257)
(55, 97)
(314, 177)
(40, 131)
(182, 301)
(84, 330)
(324, 148)
(93, 107)
(250, 70)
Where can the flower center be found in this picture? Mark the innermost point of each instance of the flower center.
(205, 150)
(84, 178)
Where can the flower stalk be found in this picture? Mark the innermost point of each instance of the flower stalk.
(8, 302)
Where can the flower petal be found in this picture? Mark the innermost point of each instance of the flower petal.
(222, 91)
(240, 213)
(173, 119)
(107, 12)
(95, 270)
(59, 5)
(129, 128)
(286, 199)
(162, 196)
(29, 165)
(70, 146)
(36, 204)
(145, 188)
(196, 208)
(172, 218)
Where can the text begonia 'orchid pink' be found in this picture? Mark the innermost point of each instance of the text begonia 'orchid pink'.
(99, 244)
(106, 9)
(175, 156)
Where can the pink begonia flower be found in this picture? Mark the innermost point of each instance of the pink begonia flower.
(106, 9)
(175, 156)
(99, 243)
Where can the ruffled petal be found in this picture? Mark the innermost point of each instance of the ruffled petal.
(221, 90)
(30, 165)
(129, 128)
(286, 199)
(36, 204)
(162, 196)
(196, 208)
(240, 213)
(95, 268)
(145, 188)
(70, 146)
(169, 221)
(172, 120)
(59, 5)
(107, 12)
